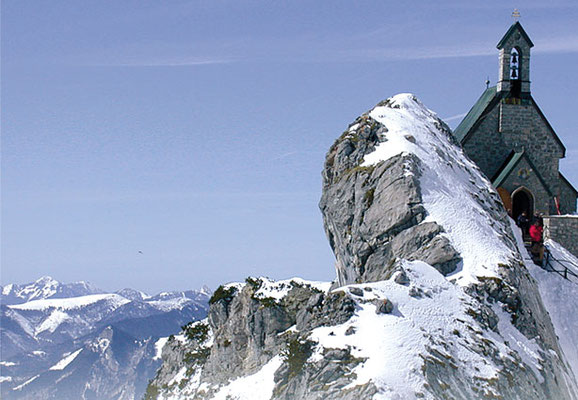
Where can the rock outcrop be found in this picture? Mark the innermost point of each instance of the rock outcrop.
(372, 214)
(432, 298)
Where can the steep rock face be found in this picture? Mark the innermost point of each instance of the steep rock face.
(432, 298)
(372, 216)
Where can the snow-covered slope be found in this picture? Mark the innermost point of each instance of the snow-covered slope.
(436, 324)
(560, 295)
(70, 304)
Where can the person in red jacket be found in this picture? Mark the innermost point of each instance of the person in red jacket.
(537, 249)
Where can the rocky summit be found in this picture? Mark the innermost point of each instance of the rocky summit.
(433, 298)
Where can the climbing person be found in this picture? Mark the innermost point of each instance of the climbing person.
(523, 222)
(537, 248)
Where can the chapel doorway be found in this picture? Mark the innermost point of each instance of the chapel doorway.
(522, 200)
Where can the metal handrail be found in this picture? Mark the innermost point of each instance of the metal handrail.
(563, 273)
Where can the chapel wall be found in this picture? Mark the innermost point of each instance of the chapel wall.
(523, 128)
(485, 144)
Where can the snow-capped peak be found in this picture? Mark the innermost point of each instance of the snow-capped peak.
(7, 289)
(205, 290)
(46, 280)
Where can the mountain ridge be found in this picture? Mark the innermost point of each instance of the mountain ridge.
(40, 334)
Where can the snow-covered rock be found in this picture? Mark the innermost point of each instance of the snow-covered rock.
(433, 298)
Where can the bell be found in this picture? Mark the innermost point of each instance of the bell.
(514, 73)
(514, 58)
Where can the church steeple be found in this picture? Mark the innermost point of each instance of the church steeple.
(515, 61)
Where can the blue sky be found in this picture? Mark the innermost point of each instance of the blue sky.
(195, 131)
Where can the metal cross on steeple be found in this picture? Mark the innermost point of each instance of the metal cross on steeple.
(516, 14)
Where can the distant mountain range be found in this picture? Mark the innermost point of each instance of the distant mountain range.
(72, 341)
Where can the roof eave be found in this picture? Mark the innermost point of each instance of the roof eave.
(512, 163)
(506, 168)
(473, 116)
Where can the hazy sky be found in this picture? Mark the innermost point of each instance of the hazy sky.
(163, 145)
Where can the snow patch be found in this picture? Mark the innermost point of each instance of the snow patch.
(279, 289)
(42, 288)
(23, 322)
(71, 303)
(52, 322)
(181, 338)
(171, 304)
(206, 291)
(60, 365)
(182, 374)
(20, 387)
(7, 289)
(7, 363)
(258, 386)
(431, 320)
(159, 344)
(101, 345)
(527, 350)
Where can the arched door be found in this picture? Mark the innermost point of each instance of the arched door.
(522, 200)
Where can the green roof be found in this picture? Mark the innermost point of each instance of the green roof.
(509, 166)
(517, 26)
(505, 170)
(472, 117)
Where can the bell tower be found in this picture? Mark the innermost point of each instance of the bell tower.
(515, 62)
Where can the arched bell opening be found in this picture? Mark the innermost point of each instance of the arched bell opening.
(515, 68)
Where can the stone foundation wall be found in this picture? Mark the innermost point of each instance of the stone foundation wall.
(564, 230)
